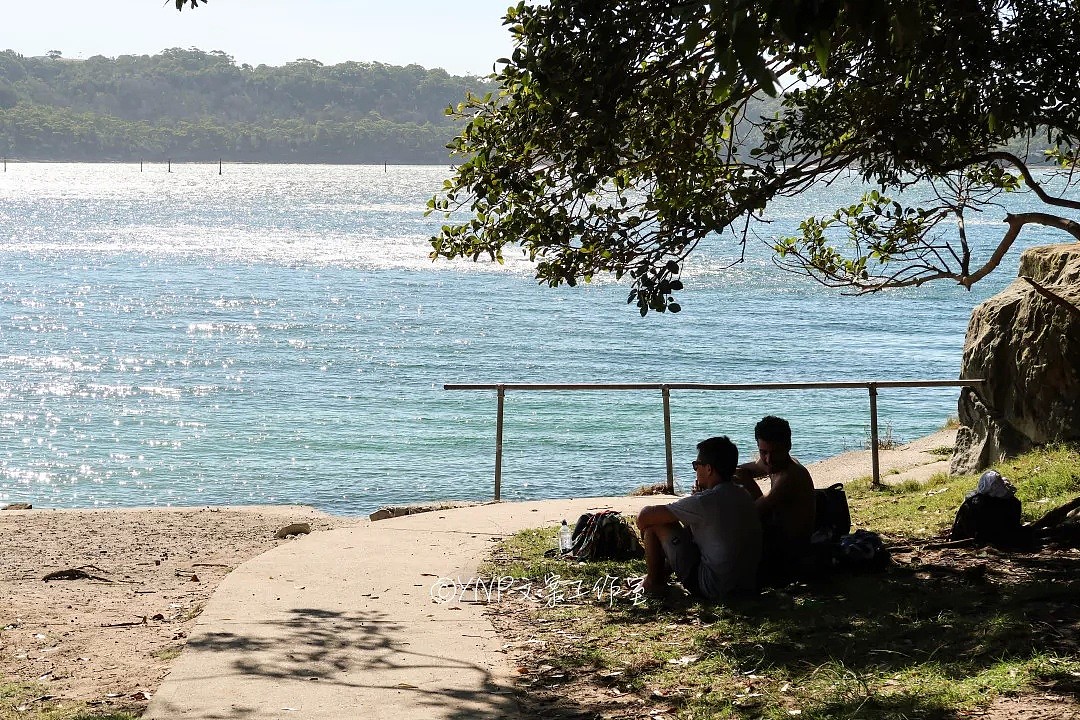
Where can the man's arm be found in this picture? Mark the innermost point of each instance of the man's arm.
(746, 475)
(651, 515)
(786, 490)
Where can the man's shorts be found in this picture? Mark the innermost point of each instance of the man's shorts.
(683, 557)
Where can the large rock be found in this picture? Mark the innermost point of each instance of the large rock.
(1027, 347)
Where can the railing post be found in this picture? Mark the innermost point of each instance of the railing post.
(498, 444)
(667, 439)
(872, 387)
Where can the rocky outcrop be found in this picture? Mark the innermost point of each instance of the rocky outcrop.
(1025, 341)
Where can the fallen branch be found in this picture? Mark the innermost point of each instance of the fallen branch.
(948, 544)
(126, 624)
(76, 574)
(1056, 515)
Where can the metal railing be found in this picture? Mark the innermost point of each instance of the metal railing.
(665, 388)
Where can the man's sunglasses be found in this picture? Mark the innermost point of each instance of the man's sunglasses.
(695, 463)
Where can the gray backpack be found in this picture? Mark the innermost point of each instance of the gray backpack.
(605, 535)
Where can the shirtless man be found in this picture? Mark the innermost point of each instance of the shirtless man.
(787, 511)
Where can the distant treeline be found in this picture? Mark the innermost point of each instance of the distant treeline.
(190, 105)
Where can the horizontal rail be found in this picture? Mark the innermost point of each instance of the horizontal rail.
(838, 385)
(872, 386)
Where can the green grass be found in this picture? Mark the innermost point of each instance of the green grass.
(168, 654)
(886, 440)
(934, 636)
(1044, 479)
(24, 701)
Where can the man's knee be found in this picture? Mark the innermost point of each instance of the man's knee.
(659, 533)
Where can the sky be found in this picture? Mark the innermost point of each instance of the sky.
(464, 37)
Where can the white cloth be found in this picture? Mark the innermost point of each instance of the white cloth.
(993, 484)
(727, 531)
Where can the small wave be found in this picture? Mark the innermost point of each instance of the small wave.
(48, 362)
(158, 391)
(110, 391)
(55, 390)
(221, 328)
(23, 476)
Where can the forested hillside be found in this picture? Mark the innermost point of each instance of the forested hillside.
(194, 105)
(190, 105)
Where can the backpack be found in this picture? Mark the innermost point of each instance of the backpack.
(605, 535)
(988, 519)
(832, 518)
(862, 551)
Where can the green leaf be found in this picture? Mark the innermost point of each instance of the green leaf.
(821, 53)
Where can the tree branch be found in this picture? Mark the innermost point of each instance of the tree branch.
(1028, 178)
(1016, 223)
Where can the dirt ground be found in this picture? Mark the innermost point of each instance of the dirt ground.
(109, 636)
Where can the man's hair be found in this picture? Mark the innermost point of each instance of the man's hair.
(773, 429)
(721, 453)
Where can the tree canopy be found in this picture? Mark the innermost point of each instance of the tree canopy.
(623, 133)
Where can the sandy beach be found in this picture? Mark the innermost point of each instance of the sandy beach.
(109, 636)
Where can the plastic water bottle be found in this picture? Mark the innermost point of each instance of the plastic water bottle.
(566, 538)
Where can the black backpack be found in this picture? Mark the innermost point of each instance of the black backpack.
(605, 535)
(988, 519)
(832, 517)
(862, 552)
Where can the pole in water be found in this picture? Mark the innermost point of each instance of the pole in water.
(384, 167)
(5, 164)
(170, 164)
(219, 166)
(140, 164)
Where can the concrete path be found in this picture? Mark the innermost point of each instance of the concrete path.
(916, 460)
(342, 624)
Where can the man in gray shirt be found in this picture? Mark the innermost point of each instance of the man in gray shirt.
(711, 539)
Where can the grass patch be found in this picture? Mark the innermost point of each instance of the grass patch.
(654, 489)
(522, 556)
(191, 613)
(29, 701)
(943, 451)
(885, 441)
(168, 654)
(938, 634)
(1044, 479)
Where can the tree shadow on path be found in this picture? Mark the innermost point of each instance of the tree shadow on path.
(365, 659)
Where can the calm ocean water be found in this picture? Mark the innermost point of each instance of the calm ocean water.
(278, 334)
